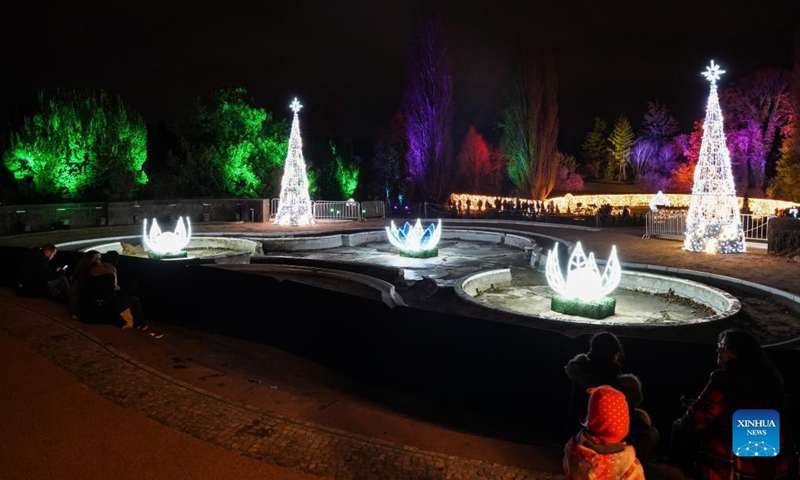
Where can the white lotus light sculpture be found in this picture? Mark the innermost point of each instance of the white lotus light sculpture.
(659, 199)
(167, 243)
(584, 280)
(416, 241)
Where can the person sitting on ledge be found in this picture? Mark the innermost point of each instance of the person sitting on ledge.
(36, 278)
(702, 439)
(598, 451)
(79, 280)
(602, 366)
(103, 289)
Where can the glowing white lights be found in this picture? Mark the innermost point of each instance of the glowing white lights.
(295, 105)
(659, 199)
(712, 73)
(167, 242)
(583, 280)
(415, 239)
(588, 204)
(713, 223)
(294, 205)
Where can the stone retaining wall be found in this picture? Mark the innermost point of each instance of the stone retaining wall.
(37, 218)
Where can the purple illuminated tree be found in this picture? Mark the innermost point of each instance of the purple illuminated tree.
(658, 124)
(567, 179)
(654, 154)
(756, 107)
(428, 110)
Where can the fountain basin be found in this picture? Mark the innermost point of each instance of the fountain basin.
(322, 242)
(643, 299)
(212, 249)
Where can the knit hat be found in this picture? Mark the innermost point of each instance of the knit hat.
(608, 414)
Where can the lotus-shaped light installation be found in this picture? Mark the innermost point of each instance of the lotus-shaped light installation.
(167, 243)
(416, 241)
(659, 199)
(584, 280)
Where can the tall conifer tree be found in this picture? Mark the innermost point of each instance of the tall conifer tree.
(620, 143)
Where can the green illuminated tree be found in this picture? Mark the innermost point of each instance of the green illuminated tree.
(78, 145)
(530, 124)
(231, 147)
(620, 144)
(786, 183)
(594, 148)
(346, 173)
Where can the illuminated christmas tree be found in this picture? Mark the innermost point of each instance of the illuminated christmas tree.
(294, 206)
(713, 223)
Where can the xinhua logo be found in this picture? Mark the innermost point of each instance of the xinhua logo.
(756, 433)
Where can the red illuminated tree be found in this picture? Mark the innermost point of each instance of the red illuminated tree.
(689, 144)
(479, 168)
(567, 179)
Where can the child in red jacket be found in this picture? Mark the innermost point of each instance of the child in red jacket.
(597, 450)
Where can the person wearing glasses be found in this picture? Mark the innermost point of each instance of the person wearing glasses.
(702, 438)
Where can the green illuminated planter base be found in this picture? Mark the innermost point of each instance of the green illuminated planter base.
(597, 309)
(163, 256)
(433, 252)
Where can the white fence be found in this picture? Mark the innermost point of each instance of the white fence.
(672, 223)
(331, 210)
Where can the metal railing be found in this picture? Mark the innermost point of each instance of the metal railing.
(672, 224)
(330, 210)
(344, 210)
(373, 209)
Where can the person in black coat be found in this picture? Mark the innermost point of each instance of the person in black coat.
(602, 366)
(36, 278)
(103, 289)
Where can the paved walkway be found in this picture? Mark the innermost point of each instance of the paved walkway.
(144, 412)
(54, 427)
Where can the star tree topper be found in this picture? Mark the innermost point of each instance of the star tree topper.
(295, 106)
(712, 73)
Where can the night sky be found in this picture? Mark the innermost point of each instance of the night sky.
(346, 60)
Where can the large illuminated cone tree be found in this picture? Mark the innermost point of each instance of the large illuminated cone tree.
(294, 206)
(713, 224)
